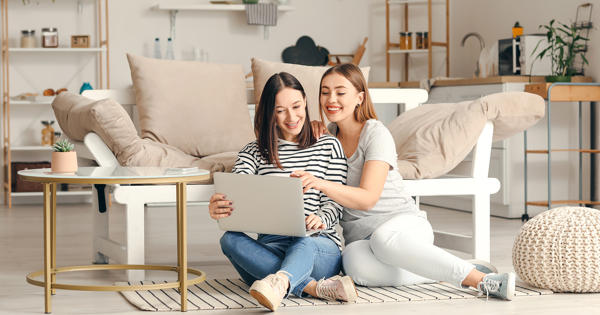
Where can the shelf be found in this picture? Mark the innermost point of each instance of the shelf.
(31, 148)
(169, 6)
(413, 2)
(15, 107)
(563, 202)
(394, 47)
(562, 150)
(30, 103)
(58, 193)
(60, 49)
(408, 51)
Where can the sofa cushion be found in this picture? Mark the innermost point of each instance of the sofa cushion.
(433, 138)
(309, 77)
(78, 115)
(199, 108)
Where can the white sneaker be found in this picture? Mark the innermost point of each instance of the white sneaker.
(269, 292)
(337, 288)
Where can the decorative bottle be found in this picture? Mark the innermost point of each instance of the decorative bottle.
(157, 53)
(169, 54)
(47, 132)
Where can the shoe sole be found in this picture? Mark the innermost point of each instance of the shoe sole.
(349, 288)
(510, 292)
(255, 292)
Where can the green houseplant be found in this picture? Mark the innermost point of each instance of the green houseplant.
(565, 43)
(64, 158)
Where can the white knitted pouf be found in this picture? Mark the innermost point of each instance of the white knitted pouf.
(560, 250)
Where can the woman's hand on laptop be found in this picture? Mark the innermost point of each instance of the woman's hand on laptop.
(313, 222)
(308, 180)
(219, 207)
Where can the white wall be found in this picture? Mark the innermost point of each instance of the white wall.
(338, 25)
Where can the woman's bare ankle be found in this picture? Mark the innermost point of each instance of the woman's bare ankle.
(311, 288)
(284, 275)
(473, 278)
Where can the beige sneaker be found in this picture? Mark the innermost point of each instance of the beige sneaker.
(269, 292)
(337, 288)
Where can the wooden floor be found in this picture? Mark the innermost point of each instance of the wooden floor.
(21, 253)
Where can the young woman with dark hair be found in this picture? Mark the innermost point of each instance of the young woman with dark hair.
(277, 265)
(389, 241)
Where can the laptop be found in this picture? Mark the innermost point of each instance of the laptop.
(263, 204)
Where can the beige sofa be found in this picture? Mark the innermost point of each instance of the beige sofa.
(196, 114)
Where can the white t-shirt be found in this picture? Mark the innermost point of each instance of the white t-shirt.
(375, 144)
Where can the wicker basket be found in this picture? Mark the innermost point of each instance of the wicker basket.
(560, 250)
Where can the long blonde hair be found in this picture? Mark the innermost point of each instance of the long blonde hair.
(352, 73)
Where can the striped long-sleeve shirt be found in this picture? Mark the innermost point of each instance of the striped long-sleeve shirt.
(325, 160)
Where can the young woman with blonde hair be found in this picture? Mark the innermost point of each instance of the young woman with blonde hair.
(389, 241)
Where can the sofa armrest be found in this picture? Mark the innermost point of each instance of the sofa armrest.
(99, 150)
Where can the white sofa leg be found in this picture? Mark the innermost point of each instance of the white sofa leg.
(481, 226)
(134, 243)
(100, 227)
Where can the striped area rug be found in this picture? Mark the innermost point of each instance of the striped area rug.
(217, 294)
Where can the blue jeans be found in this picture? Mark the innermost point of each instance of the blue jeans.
(303, 258)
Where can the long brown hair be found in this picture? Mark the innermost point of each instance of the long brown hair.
(352, 73)
(265, 122)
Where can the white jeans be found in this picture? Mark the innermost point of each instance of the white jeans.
(401, 252)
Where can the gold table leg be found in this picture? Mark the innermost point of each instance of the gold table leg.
(47, 246)
(182, 243)
(53, 236)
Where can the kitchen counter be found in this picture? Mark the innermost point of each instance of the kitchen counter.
(472, 81)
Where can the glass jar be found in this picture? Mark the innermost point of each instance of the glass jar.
(27, 38)
(419, 40)
(49, 37)
(425, 40)
(409, 44)
(402, 40)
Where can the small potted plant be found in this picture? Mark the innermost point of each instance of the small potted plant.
(565, 43)
(64, 159)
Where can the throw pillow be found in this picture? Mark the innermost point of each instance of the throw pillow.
(78, 115)
(199, 108)
(433, 138)
(309, 77)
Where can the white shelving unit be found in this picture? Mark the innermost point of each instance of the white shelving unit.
(23, 113)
